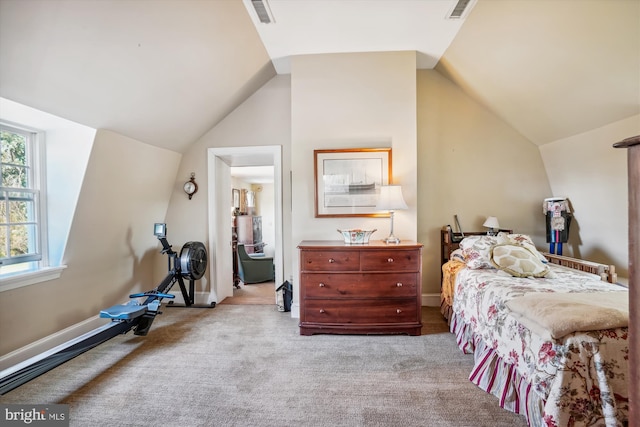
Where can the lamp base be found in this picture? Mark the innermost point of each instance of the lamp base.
(391, 240)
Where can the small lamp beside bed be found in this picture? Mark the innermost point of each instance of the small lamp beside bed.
(492, 224)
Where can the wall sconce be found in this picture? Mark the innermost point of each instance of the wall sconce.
(492, 224)
(391, 200)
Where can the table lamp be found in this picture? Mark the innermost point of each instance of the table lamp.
(391, 199)
(492, 224)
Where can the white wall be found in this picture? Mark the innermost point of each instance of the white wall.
(587, 170)
(365, 100)
(265, 198)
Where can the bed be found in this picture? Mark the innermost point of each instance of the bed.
(549, 334)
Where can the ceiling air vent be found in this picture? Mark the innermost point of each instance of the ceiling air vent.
(460, 9)
(263, 11)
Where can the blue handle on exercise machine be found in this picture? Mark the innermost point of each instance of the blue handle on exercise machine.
(151, 294)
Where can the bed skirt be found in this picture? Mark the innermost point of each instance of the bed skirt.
(500, 378)
(493, 375)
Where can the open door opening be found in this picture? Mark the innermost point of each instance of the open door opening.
(221, 162)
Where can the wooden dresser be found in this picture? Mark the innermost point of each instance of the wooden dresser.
(360, 289)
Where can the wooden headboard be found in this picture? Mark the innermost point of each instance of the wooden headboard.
(450, 241)
(606, 272)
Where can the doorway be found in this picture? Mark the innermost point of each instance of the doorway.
(220, 163)
(254, 294)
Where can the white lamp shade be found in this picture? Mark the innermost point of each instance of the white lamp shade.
(390, 198)
(491, 222)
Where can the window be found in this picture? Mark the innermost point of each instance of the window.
(22, 219)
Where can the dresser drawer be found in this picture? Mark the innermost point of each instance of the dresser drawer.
(385, 260)
(354, 311)
(330, 261)
(360, 289)
(363, 285)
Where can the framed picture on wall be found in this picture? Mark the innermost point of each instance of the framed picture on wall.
(235, 198)
(348, 181)
(243, 201)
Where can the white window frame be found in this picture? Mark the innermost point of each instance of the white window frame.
(39, 270)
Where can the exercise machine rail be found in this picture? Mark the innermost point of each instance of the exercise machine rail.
(191, 263)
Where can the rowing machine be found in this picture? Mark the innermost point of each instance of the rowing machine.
(191, 264)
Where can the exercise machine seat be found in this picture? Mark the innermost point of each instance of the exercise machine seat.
(123, 311)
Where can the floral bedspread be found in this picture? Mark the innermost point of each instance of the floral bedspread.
(581, 377)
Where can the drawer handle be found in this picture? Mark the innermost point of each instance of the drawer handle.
(398, 311)
(321, 311)
(399, 284)
(321, 285)
(389, 259)
(331, 260)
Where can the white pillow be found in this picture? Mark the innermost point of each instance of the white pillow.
(477, 250)
(518, 261)
(457, 255)
(523, 240)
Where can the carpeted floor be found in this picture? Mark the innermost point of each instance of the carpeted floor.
(247, 365)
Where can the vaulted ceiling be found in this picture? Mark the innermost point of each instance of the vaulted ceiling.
(166, 71)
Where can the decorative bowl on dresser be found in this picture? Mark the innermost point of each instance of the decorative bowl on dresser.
(360, 289)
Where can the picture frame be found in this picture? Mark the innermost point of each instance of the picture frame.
(235, 198)
(243, 201)
(348, 181)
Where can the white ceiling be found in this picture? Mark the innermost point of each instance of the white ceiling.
(303, 27)
(164, 72)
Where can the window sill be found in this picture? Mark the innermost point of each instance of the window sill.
(31, 278)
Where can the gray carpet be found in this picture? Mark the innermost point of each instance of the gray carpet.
(247, 365)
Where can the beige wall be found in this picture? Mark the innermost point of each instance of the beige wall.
(471, 163)
(365, 100)
(593, 176)
(263, 119)
(110, 247)
(551, 69)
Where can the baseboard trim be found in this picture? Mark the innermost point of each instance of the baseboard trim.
(431, 300)
(47, 343)
(295, 310)
(74, 331)
(200, 299)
